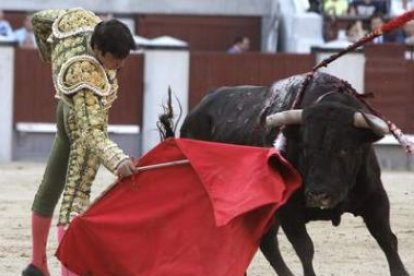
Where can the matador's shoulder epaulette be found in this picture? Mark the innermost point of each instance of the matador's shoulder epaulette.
(83, 72)
(74, 21)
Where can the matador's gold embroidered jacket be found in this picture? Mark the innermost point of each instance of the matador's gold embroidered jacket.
(83, 84)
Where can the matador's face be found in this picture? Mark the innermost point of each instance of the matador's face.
(109, 61)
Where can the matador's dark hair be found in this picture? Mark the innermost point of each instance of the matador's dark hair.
(114, 37)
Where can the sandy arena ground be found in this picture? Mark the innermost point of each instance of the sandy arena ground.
(343, 251)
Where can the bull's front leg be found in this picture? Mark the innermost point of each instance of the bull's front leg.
(270, 249)
(376, 216)
(293, 224)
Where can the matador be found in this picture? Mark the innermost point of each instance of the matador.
(85, 54)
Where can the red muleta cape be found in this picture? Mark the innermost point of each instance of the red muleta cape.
(205, 218)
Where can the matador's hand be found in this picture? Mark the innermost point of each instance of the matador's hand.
(126, 168)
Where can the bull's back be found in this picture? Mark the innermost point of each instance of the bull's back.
(234, 114)
(229, 115)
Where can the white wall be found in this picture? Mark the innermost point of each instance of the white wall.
(270, 28)
(163, 68)
(350, 67)
(6, 102)
(301, 31)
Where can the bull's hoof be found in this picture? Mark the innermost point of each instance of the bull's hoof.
(31, 270)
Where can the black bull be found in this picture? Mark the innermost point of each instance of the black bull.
(329, 143)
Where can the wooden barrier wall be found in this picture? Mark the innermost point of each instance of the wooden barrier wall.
(203, 33)
(33, 88)
(34, 92)
(212, 70)
(15, 18)
(128, 108)
(389, 76)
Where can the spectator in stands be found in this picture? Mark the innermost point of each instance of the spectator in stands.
(409, 33)
(25, 36)
(335, 7)
(396, 36)
(355, 31)
(5, 29)
(241, 44)
(400, 6)
(314, 6)
(383, 6)
(364, 8)
(330, 29)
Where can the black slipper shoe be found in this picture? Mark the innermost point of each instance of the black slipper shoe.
(31, 270)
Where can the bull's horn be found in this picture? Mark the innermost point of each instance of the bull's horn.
(288, 117)
(373, 122)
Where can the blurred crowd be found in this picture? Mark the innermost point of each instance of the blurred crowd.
(362, 7)
(346, 20)
(23, 35)
(364, 16)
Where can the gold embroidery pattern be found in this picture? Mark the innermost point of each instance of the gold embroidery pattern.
(68, 48)
(90, 146)
(42, 27)
(83, 72)
(83, 167)
(91, 121)
(74, 21)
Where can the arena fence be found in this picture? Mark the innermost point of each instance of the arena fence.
(387, 74)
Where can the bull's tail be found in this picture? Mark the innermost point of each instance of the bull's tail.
(166, 125)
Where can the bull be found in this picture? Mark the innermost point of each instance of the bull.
(328, 139)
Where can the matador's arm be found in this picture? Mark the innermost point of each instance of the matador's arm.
(42, 27)
(90, 118)
(82, 80)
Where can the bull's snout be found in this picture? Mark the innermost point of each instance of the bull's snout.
(319, 199)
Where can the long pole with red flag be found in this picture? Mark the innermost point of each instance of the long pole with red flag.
(389, 26)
